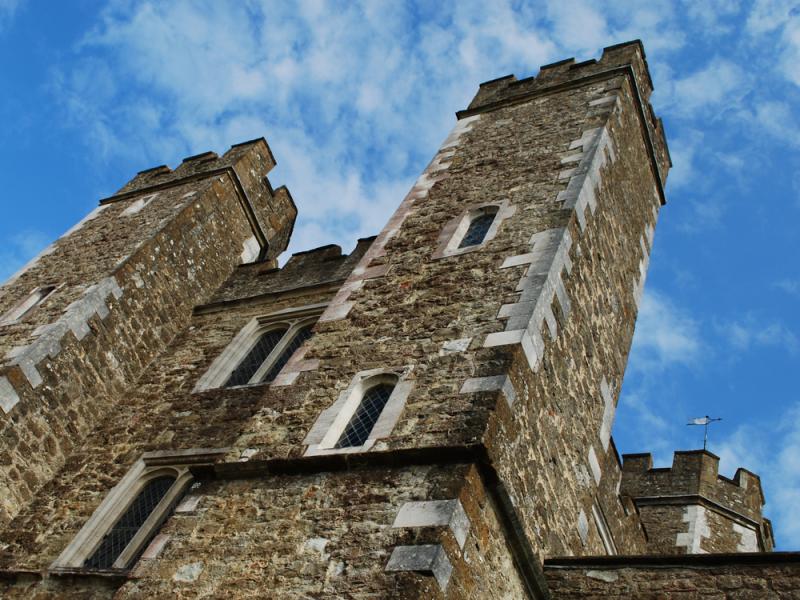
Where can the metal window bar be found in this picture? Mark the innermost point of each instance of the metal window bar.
(365, 417)
(297, 341)
(121, 534)
(477, 230)
(255, 358)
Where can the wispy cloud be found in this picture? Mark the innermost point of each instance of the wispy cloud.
(7, 10)
(744, 334)
(666, 335)
(790, 286)
(771, 449)
(160, 80)
(777, 22)
(19, 249)
(718, 85)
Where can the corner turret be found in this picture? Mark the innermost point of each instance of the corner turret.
(690, 508)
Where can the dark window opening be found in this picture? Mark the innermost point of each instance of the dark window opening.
(255, 358)
(478, 228)
(128, 525)
(297, 341)
(365, 417)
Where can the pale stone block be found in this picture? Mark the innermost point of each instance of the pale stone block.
(583, 527)
(156, 546)
(515, 261)
(189, 503)
(503, 338)
(594, 465)
(8, 395)
(453, 346)
(435, 513)
(188, 573)
(426, 557)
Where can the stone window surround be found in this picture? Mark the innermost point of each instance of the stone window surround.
(455, 229)
(603, 529)
(294, 319)
(332, 421)
(28, 304)
(173, 463)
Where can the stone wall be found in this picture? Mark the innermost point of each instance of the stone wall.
(165, 413)
(722, 577)
(127, 279)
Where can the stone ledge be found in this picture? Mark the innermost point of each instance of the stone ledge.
(672, 560)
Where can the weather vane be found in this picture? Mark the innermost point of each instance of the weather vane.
(704, 421)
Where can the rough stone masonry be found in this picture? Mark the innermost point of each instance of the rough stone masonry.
(175, 408)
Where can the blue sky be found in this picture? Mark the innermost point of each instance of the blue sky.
(356, 98)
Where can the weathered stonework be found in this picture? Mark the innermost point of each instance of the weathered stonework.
(721, 577)
(691, 509)
(491, 453)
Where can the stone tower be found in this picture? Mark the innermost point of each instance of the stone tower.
(427, 417)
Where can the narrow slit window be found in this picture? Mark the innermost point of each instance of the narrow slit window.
(244, 372)
(24, 308)
(477, 230)
(363, 421)
(129, 524)
(297, 341)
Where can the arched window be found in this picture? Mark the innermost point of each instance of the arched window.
(363, 420)
(129, 524)
(297, 340)
(472, 229)
(244, 372)
(478, 228)
(261, 349)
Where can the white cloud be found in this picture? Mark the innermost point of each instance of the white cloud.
(772, 450)
(743, 335)
(718, 85)
(682, 152)
(777, 23)
(777, 119)
(713, 15)
(666, 335)
(790, 286)
(7, 10)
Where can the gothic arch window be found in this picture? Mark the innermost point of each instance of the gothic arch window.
(362, 422)
(130, 523)
(364, 413)
(261, 349)
(131, 514)
(255, 358)
(472, 229)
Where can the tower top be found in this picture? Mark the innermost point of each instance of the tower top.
(620, 60)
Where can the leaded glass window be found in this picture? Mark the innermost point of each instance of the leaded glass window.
(297, 341)
(128, 525)
(243, 373)
(478, 228)
(365, 417)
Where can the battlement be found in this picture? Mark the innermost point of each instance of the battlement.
(693, 473)
(203, 164)
(628, 54)
(619, 59)
(326, 265)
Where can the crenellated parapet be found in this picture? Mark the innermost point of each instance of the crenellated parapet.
(693, 502)
(626, 59)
